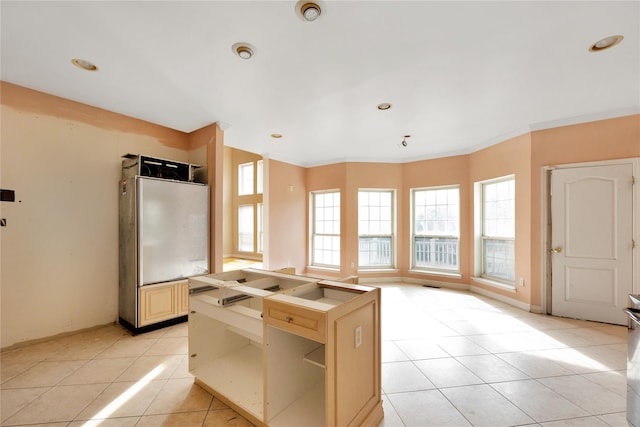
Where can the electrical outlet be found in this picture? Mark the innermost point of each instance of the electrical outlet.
(358, 337)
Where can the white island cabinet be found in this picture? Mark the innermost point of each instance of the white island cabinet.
(286, 350)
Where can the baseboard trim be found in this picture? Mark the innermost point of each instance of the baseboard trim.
(487, 293)
(537, 309)
(54, 337)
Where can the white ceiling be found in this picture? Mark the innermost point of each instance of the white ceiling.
(460, 75)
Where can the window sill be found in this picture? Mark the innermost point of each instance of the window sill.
(315, 267)
(378, 270)
(452, 275)
(495, 284)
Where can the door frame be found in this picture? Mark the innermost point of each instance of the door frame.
(546, 224)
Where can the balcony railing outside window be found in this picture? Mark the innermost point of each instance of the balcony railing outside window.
(436, 252)
(375, 251)
(498, 259)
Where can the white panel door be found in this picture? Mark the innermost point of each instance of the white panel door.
(592, 242)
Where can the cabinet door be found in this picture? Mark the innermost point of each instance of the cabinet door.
(158, 303)
(183, 291)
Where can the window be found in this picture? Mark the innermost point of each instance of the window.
(245, 179)
(245, 228)
(248, 204)
(436, 229)
(376, 229)
(497, 227)
(325, 228)
(260, 231)
(259, 177)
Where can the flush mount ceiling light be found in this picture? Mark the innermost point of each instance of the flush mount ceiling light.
(309, 11)
(243, 50)
(276, 135)
(383, 106)
(605, 43)
(83, 64)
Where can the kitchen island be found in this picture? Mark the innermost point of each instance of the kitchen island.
(287, 350)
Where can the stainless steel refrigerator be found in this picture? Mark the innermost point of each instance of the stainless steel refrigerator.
(164, 230)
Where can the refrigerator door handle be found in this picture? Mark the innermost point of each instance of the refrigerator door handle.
(633, 316)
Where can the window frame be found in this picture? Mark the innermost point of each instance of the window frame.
(391, 235)
(481, 238)
(313, 213)
(413, 235)
(259, 177)
(259, 225)
(241, 181)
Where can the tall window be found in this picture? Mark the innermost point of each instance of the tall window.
(498, 229)
(325, 228)
(260, 231)
(376, 228)
(436, 228)
(259, 183)
(249, 207)
(245, 228)
(245, 179)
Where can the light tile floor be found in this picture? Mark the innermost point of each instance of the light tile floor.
(449, 358)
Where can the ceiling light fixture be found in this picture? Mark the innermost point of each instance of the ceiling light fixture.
(276, 135)
(84, 64)
(384, 106)
(309, 11)
(404, 142)
(605, 43)
(243, 50)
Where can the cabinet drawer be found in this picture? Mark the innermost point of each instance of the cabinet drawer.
(298, 320)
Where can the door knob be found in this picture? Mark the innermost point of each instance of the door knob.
(557, 250)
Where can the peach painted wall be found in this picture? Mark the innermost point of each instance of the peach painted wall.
(512, 157)
(59, 253)
(617, 138)
(285, 216)
(435, 173)
(206, 148)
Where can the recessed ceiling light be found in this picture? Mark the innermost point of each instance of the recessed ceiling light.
(605, 43)
(243, 50)
(384, 106)
(309, 11)
(276, 135)
(85, 65)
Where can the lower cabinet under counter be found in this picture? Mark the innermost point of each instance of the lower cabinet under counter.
(284, 375)
(162, 302)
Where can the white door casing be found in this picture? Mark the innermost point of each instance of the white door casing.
(592, 241)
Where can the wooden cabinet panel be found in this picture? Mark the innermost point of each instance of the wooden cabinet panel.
(158, 303)
(355, 370)
(183, 293)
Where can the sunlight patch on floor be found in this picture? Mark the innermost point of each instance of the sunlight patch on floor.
(124, 397)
